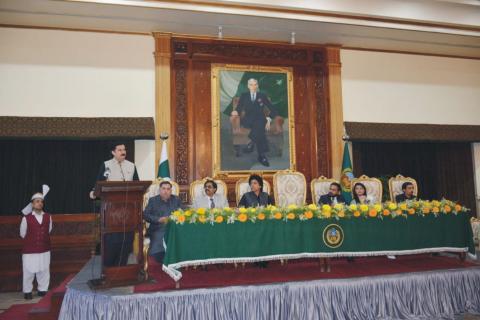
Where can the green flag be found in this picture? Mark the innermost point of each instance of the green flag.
(274, 85)
(347, 175)
(163, 168)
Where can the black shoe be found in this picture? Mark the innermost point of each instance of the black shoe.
(263, 160)
(41, 293)
(28, 296)
(249, 148)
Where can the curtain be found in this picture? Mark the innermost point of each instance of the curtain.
(441, 169)
(68, 167)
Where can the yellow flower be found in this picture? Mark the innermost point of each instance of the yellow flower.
(392, 206)
(291, 216)
(386, 212)
(270, 207)
(242, 217)
(447, 209)
(228, 209)
(372, 213)
(363, 207)
(202, 219)
(181, 218)
(277, 215)
(261, 216)
(416, 204)
(356, 213)
(327, 213)
(436, 203)
(312, 206)
(458, 208)
(201, 211)
(411, 211)
(242, 210)
(309, 215)
(435, 210)
(353, 207)
(426, 210)
(341, 214)
(219, 219)
(291, 207)
(378, 207)
(252, 210)
(399, 211)
(176, 213)
(403, 206)
(188, 213)
(326, 207)
(338, 206)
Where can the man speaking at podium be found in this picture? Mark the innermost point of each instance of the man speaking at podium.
(118, 245)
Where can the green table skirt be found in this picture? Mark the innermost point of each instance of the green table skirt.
(196, 244)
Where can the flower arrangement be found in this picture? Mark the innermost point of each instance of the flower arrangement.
(339, 211)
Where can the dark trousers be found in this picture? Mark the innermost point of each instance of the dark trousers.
(117, 248)
(259, 136)
(158, 257)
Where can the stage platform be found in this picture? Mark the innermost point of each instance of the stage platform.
(409, 287)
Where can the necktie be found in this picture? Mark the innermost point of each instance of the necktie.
(212, 204)
(253, 97)
(121, 171)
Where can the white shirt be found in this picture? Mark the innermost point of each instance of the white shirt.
(204, 201)
(35, 262)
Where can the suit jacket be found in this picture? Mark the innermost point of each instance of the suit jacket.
(402, 198)
(203, 201)
(257, 111)
(157, 208)
(327, 199)
(250, 199)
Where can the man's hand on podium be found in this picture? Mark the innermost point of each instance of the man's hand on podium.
(163, 220)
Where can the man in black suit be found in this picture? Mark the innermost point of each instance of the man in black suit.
(334, 195)
(256, 113)
(407, 195)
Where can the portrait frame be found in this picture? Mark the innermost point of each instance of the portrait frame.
(216, 69)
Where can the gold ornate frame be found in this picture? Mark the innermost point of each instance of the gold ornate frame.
(319, 179)
(399, 177)
(215, 85)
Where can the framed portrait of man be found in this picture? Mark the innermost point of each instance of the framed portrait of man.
(252, 119)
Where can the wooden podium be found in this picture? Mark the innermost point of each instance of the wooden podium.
(121, 213)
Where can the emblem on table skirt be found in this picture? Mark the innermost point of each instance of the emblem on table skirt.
(333, 236)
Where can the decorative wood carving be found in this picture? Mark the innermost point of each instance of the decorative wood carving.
(181, 123)
(322, 117)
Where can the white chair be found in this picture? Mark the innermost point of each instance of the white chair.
(476, 230)
(319, 187)
(153, 191)
(395, 186)
(196, 188)
(242, 187)
(373, 185)
(289, 187)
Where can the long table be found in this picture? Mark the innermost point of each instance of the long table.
(200, 244)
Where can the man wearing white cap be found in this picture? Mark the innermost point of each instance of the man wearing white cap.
(35, 229)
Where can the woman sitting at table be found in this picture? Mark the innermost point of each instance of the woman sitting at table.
(256, 197)
(360, 195)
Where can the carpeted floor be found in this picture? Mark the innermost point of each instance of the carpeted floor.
(297, 270)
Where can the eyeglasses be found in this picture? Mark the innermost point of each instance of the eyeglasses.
(209, 187)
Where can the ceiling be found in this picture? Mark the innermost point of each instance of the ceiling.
(440, 27)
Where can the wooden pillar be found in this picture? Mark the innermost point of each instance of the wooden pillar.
(163, 54)
(336, 108)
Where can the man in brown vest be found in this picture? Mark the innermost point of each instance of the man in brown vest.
(35, 230)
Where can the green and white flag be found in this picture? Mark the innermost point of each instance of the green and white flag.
(163, 167)
(347, 175)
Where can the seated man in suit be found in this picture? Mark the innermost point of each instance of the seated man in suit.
(407, 195)
(157, 212)
(256, 197)
(210, 199)
(334, 195)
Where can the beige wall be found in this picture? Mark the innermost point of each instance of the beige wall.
(402, 88)
(79, 74)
